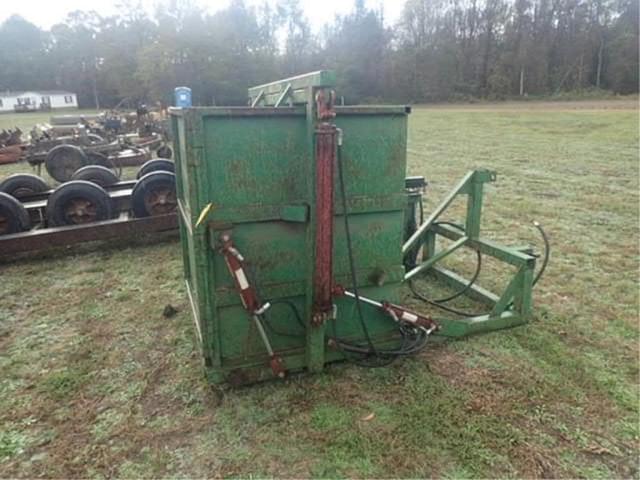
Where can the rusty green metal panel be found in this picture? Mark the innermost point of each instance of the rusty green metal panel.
(256, 166)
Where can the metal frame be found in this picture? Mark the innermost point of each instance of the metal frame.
(296, 90)
(510, 308)
(308, 90)
(288, 238)
(310, 214)
(42, 239)
(57, 238)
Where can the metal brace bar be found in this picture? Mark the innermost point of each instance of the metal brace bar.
(263, 335)
(436, 213)
(283, 95)
(484, 323)
(522, 297)
(301, 87)
(476, 292)
(508, 293)
(435, 258)
(257, 99)
(506, 254)
(474, 208)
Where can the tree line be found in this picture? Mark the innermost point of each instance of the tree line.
(439, 50)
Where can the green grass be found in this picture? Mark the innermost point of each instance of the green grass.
(128, 173)
(26, 121)
(96, 382)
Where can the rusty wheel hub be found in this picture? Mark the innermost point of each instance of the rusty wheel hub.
(80, 211)
(22, 192)
(160, 201)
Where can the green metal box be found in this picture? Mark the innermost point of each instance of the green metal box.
(255, 166)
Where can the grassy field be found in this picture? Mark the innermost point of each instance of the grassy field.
(25, 121)
(96, 382)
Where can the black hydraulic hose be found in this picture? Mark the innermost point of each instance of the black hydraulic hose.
(468, 285)
(547, 252)
(418, 344)
(296, 314)
(408, 347)
(436, 303)
(413, 339)
(293, 308)
(361, 362)
(545, 257)
(439, 302)
(476, 274)
(352, 266)
(473, 279)
(420, 296)
(380, 357)
(251, 273)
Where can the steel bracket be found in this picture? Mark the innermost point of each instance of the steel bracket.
(510, 308)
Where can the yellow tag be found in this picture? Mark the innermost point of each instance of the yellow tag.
(203, 214)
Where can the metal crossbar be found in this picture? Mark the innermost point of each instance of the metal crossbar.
(513, 306)
(295, 89)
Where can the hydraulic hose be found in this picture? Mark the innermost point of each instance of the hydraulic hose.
(439, 303)
(412, 339)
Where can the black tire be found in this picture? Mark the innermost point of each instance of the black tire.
(96, 174)
(154, 194)
(21, 185)
(63, 161)
(97, 158)
(164, 152)
(155, 165)
(78, 202)
(13, 216)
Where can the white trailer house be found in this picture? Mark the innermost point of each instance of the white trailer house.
(37, 100)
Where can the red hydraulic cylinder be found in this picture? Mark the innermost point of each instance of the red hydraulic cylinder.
(235, 262)
(249, 297)
(326, 145)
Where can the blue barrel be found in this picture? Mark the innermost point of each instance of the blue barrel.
(182, 96)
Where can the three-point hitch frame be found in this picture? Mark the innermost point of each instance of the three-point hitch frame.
(513, 306)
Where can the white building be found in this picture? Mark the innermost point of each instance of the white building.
(37, 100)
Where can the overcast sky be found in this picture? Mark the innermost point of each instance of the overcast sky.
(45, 13)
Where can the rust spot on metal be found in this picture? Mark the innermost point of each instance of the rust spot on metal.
(325, 100)
(161, 201)
(277, 366)
(80, 211)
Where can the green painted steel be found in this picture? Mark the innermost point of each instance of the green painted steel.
(250, 173)
(256, 167)
(290, 91)
(509, 309)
